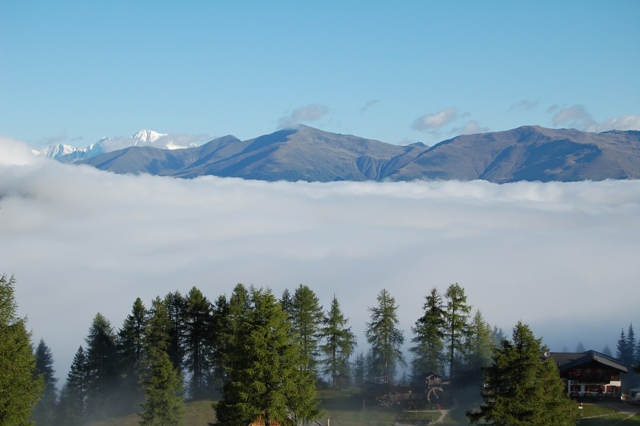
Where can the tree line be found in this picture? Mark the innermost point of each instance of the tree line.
(260, 356)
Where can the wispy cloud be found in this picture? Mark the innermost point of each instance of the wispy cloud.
(94, 241)
(369, 104)
(435, 120)
(307, 113)
(472, 127)
(523, 106)
(573, 116)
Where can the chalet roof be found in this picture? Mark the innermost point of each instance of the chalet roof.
(569, 360)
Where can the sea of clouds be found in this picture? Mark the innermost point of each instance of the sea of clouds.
(562, 257)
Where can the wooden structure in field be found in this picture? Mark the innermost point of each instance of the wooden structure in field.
(428, 391)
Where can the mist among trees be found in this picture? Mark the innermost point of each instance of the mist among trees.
(257, 355)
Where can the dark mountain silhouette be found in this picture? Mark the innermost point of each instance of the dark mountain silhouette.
(528, 153)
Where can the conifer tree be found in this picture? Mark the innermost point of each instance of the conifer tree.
(497, 335)
(339, 342)
(456, 324)
(45, 410)
(479, 343)
(306, 320)
(73, 395)
(217, 350)
(428, 331)
(523, 386)
(101, 368)
(162, 383)
(287, 303)
(359, 370)
(621, 347)
(176, 306)
(631, 346)
(384, 337)
(197, 325)
(130, 349)
(267, 378)
(20, 389)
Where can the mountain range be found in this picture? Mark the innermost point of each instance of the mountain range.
(529, 153)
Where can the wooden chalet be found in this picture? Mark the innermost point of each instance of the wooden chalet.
(590, 374)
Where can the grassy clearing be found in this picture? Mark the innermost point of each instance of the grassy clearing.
(196, 413)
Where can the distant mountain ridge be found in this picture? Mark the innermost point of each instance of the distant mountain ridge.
(71, 154)
(529, 153)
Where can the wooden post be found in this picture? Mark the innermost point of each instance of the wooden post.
(328, 421)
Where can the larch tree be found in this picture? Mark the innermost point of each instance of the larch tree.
(522, 387)
(429, 332)
(267, 378)
(20, 388)
(306, 320)
(385, 337)
(338, 342)
(479, 343)
(457, 313)
(359, 369)
(44, 412)
(163, 404)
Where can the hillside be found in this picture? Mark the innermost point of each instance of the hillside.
(529, 153)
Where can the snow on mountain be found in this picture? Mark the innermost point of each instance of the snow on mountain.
(71, 154)
(146, 137)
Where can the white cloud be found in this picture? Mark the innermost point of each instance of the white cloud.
(15, 153)
(81, 241)
(436, 120)
(626, 122)
(311, 112)
(578, 117)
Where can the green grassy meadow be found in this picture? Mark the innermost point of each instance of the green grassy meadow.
(346, 408)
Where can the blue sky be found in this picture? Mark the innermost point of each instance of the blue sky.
(75, 71)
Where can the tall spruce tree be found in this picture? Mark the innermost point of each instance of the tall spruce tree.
(630, 355)
(267, 378)
(306, 320)
(429, 329)
(456, 324)
(523, 386)
(338, 344)
(621, 347)
(162, 383)
(198, 323)
(130, 348)
(73, 395)
(385, 337)
(44, 412)
(20, 389)
(176, 307)
(101, 368)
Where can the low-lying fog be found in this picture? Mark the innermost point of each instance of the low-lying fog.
(562, 257)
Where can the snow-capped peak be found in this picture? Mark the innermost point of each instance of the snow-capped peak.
(146, 137)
